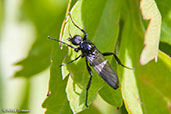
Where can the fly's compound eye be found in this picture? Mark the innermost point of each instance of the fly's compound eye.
(76, 40)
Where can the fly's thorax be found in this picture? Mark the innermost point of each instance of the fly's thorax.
(87, 48)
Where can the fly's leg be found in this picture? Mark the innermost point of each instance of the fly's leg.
(117, 59)
(89, 82)
(71, 61)
(85, 34)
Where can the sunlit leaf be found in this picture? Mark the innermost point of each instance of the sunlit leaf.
(152, 36)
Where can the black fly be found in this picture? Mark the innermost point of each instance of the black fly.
(93, 58)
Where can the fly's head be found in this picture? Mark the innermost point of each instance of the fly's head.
(76, 40)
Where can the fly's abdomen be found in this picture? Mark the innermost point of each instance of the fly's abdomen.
(108, 74)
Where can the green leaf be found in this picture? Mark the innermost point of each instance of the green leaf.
(148, 86)
(99, 26)
(165, 10)
(156, 85)
(57, 101)
(91, 110)
(111, 96)
(165, 47)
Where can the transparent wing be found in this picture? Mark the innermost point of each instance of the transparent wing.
(103, 68)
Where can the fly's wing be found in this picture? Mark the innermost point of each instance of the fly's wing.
(103, 68)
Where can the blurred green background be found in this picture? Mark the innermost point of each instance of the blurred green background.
(25, 55)
(24, 26)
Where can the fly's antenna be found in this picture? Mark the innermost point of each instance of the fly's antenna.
(85, 37)
(61, 42)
